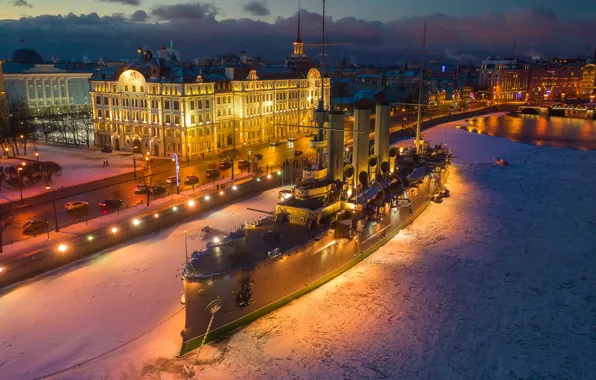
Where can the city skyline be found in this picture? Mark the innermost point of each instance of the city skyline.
(111, 29)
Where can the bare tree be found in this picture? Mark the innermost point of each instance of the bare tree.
(61, 119)
(7, 221)
(85, 119)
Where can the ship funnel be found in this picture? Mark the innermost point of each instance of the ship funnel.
(382, 120)
(361, 141)
(335, 145)
(393, 152)
(349, 173)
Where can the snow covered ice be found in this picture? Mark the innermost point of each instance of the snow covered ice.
(496, 282)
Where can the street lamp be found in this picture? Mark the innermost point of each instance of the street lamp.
(6, 152)
(37, 156)
(175, 159)
(51, 187)
(20, 184)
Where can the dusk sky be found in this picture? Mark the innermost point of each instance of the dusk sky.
(381, 31)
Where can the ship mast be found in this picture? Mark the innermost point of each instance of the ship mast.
(420, 91)
(320, 115)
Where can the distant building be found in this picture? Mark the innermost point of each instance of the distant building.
(503, 79)
(556, 80)
(160, 106)
(28, 80)
(588, 81)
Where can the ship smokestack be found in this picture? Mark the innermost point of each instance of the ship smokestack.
(381, 145)
(335, 145)
(360, 150)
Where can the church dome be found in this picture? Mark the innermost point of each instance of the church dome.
(26, 56)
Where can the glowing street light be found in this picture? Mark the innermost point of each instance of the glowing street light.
(175, 208)
(62, 248)
(1, 269)
(156, 215)
(90, 238)
(268, 176)
(207, 197)
(114, 230)
(216, 240)
(221, 193)
(234, 187)
(191, 203)
(136, 222)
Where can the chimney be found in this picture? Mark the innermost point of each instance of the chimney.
(335, 145)
(230, 73)
(382, 133)
(164, 54)
(360, 141)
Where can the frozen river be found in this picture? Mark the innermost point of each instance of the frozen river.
(496, 282)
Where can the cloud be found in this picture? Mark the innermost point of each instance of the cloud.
(139, 16)
(123, 2)
(186, 11)
(457, 38)
(21, 3)
(257, 8)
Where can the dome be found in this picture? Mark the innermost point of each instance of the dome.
(25, 56)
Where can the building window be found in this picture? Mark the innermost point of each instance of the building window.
(168, 119)
(176, 105)
(98, 100)
(206, 103)
(177, 119)
(193, 119)
(192, 105)
(200, 118)
(166, 104)
(125, 87)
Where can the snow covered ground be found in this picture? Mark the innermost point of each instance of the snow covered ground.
(496, 282)
(79, 165)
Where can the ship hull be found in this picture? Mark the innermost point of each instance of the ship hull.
(280, 280)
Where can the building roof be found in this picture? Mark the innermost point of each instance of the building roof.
(25, 56)
(30, 68)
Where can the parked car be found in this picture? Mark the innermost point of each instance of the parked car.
(298, 153)
(35, 226)
(110, 203)
(243, 164)
(76, 205)
(141, 189)
(292, 138)
(171, 180)
(191, 179)
(224, 165)
(212, 173)
(272, 235)
(258, 156)
(277, 142)
(106, 149)
(158, 189)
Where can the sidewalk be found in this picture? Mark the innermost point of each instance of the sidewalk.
(33, 245)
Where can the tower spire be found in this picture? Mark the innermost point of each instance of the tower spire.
(298, 40)
(298, 45)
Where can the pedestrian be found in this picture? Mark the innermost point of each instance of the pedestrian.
(267, 170)
(107, 163)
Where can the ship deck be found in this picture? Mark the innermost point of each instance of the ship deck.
(222, 258)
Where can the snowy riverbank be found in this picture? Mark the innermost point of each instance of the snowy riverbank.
(496, 282)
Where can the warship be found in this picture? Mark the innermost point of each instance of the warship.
(344, 208)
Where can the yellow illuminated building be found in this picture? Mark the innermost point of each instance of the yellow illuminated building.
(162, 106)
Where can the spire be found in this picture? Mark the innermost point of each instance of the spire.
(298, 45)
(298, 39)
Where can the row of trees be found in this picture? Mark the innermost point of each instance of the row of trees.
(20, 123)
(36, 172)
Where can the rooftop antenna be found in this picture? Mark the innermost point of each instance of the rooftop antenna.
(322, 100)
(421, 89)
